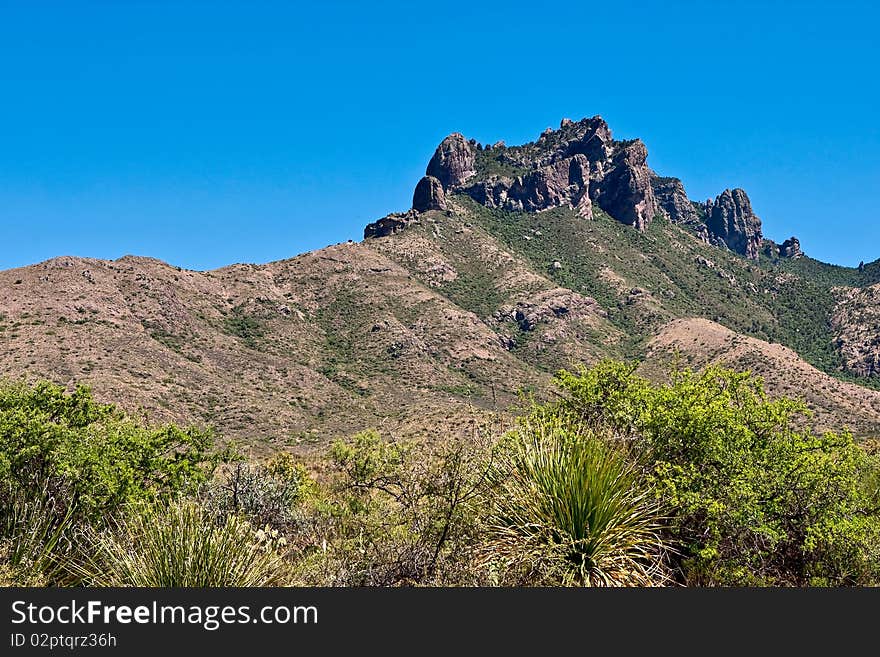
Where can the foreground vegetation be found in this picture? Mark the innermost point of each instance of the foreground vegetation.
(702, 480)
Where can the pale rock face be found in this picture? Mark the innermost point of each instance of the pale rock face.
(673, 201)
(791, 248)
(731, 222)
(574, 166)
(613, 175)
(453, 161)
(626, 192)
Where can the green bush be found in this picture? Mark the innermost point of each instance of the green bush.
(701, 480)
(100, 458)
(569, 508)
(759, 498)
(68, 462)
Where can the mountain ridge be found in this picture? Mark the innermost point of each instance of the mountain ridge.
(510, 265)
(579, 165)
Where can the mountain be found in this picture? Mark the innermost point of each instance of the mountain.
(513, 262)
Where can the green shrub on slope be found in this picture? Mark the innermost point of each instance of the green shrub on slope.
(759, 498)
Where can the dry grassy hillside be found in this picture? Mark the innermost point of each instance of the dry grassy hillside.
(295, 352)
(291, 352)
(698, 342)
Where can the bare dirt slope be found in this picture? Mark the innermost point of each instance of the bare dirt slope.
(836, 403)
(427, 330)
(291, 353)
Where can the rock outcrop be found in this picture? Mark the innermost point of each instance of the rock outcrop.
(547, 307)
(856, 325)
(579, 165)
(791, 248)
(625, 191)
(390, 224)
(564, 182)
(453, 161)
(731, 222)
(429, 195)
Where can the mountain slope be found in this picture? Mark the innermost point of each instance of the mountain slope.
(317, 345)
(697, 342)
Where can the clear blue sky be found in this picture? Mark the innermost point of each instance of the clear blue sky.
(207, 133)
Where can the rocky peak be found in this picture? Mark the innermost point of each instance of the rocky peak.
(589, 137)
(577, 165)
(453, 161)
(791, 248)
(429, 195)
(730, 221)
(631, 153)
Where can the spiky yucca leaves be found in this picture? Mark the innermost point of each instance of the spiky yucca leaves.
(34, 535)
(180, 544)
(569, 508)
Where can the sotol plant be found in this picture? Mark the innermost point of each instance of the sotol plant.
(569, 508)
(179, 545)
